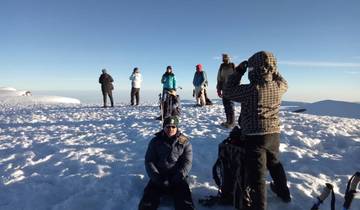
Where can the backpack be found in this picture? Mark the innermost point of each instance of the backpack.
(229, 173)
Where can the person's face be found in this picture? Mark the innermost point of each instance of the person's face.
(169, 70)
(225, 59)
(170, 130)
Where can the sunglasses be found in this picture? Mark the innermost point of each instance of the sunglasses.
(170, 126)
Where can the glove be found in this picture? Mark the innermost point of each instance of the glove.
(235, 133)
(165, 183)
(176, 179)
(241, 68)
(193, 93)
(159, 181)
(219, 93)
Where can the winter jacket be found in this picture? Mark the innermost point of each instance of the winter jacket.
(106, 83)
(169, 82)
(168, 157)
(200, 79)
(260, 100)
(136, 79)
(225, 70)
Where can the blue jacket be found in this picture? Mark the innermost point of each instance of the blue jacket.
(169, 82)
(168, 157)
(200, 79)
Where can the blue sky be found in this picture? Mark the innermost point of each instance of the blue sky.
(63, 45)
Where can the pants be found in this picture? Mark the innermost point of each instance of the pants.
(262, 152)
(135, 94)
(200, 96)
(229, 111)
(105, 94)
(180, 192)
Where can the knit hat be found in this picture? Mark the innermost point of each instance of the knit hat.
(168, 67)
(225, 55)
(199, 67)
(172, 121)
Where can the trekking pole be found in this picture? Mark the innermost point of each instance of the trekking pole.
(351, 190)
(325, 193)
(161, 107)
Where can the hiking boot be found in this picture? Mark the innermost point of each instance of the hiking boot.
(284, 194)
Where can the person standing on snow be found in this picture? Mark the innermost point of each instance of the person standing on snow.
(200, 83)
(106, 87)
(168, 161)
(259, 120)
(136, 80)
(226, 68)
(169, 82)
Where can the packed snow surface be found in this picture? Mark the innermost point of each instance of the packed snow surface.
(84, 157)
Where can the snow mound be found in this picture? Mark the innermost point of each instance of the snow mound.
(334, 108)
(7, 89)
(9, 95)
(325, 108)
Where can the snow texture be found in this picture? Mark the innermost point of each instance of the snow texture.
(84, 157)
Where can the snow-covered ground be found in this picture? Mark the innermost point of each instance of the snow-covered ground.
(83, 157)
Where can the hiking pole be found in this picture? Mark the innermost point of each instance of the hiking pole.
(351, 190)
(161, 107)
(325, 193)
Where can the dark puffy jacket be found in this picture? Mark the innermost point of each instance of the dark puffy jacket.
(260, 100)
(225, 70)
(106, 82)
(168, 157)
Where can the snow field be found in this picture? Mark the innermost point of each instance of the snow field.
(78, 157)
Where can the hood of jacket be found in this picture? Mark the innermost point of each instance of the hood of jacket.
(262, 67)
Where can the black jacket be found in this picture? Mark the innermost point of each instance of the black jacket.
(106, 82)
(168, 157)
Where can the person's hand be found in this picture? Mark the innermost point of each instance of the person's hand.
(159, 181)
(177, 178)
(241, 68)
(219, 93)
(165, 183)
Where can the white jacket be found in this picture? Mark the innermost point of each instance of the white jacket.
(136, 80)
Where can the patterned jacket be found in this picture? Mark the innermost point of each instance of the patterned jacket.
(168, 157)
(260, 100)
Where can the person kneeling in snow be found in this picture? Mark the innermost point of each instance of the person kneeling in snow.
(168, 161)
(259, 120)
(170, 106)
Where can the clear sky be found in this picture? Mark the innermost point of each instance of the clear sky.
(64, 44)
